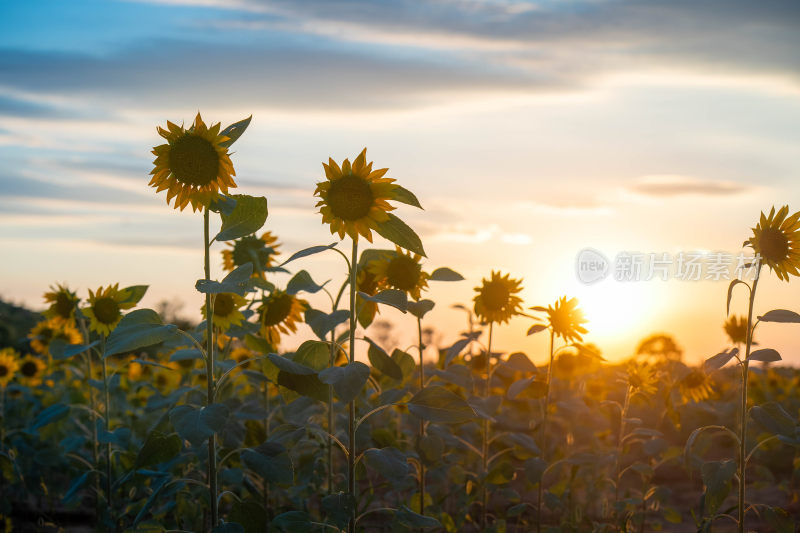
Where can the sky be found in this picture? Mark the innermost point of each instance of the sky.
(530, 131)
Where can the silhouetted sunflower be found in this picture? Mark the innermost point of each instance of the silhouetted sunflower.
(105, 308)
(695, 386)
(401, 271)
(642, 377)
(280, 312)
(565, 319)
(46, 331)
(736, 328)
(193, 166)
(63, 303)
(776, 239)
(226, 310)
(30, 370)
(496, 300)
(8, 365)
(261, 251)
(354, 198)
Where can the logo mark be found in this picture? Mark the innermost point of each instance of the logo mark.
(591, 266)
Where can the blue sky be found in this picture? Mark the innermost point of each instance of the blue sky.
(529, 130)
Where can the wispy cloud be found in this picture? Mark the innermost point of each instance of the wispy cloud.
(671, 186)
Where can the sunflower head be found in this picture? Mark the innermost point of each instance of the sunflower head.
(565, 319)
(261, 251)
(226, 310)
(280, 312)
(401, 271)
(354, 198)
(496, 300)
(8, 365)
(63, 303)
(105, 308)
(47, 331)
(695, 386)
(241, 354)
(642, 377)
(30, 370)
(776, 240)
(194, 165)
(736, 329)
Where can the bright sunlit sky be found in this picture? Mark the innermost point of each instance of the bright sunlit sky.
(529, 131)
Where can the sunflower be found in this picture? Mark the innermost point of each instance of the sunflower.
(30, 370)
(367, 283)
(226, 310)
(401, 271)
(642, 377)
(695, 386)
(47, 331)
(242, 354)
(776, 240)
(565, 319)
(105, 308)
(279, 313)
(354, 198)
(736, 328)
(261, 251)
(193, 166)
(63, 303)
(8, 365)
(496, 300)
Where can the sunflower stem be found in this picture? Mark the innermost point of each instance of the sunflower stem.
(351, 465)
(743, 415)
(95, 442)
(212, 452)
(421, 421)
(331, 362)
(543, 437)
(623, 416)
(107, 417)
(266, 438)
(485, 433)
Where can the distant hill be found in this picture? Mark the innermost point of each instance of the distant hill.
(15, 323)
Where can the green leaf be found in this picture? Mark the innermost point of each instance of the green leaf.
(222, 204)
(381, 361)
(198, 424)
(138, 329)
(717, 476)
(234, 131)
(292, 522)
(730, 294)
(60, 350)
(389, 462)
(500, 474)
(76, 486)
(420, 309)
(518, 386)
(409, 518)
(306, 385)
(309, 251)
(401, 194)
(438, 404)
(430, 448)
(767, 355)
(289, 366)
(313, 354)
(716, 362)
(135, 293)
(239, 281)
(246, 218)
(158, 448)
(774, 418)
(534, 469)
(323, 323)
(271, 461)
(338, 507)
(779, 520)
(404, 361)
(51, 414)
(391, 297)
(398, 232)
(445, 274)
(302, 281)
(346, 380)
(781, 315)
(536, 328)
(250, 514)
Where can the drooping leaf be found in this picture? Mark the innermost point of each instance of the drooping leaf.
(346, 380)
(717, 476)
(409, 518)
(302, 281)
(197, 424)
(138, 329)
(234, 131)
(781, 315)
(135, 293)
(518, 386)
(716, 362)
(774, 418)
(158, 448)
(239, 281)
(398, 232)
(323, 323)
(76, 486)
(455, 350)
(391, 297)
(536, 328)
(246, 218)
(60, 350)
(338, 507)
(313, 354)
(421, 308)
(404, 361)
(292, 522)
(308, 251)
(271, 461)
(534, 468)
(305, 385)
(389, 462)
(381, 361)
(51, 414)
(445, 274)
(401, 194)
(222, 204)
(766, 355)
(289, 366)
(438, 404)
(730, 294)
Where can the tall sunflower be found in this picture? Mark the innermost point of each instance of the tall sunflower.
(63, 303)
(226, 310)
(401, 271)
(8, 365)
(354, 199)
(280, 312)
(736, 329)
(105, 308)
(566, 319)
(46, 331)
(496, 300)
(776, 239)
(642, 377)
(261, 251)
(30, 370)
(194, 166)
(695, 386)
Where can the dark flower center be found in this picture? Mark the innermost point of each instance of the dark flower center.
(251, 249)
(694, 379)
(276, 309)
(495, 295)
(64, 305)
(773, 245)
(106, 310)
(223, 305)
(28, 369)
(403, 273)
(3, 371)
(193, 160)
(350, 198)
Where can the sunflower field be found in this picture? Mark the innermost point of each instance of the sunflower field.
(115, 419)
